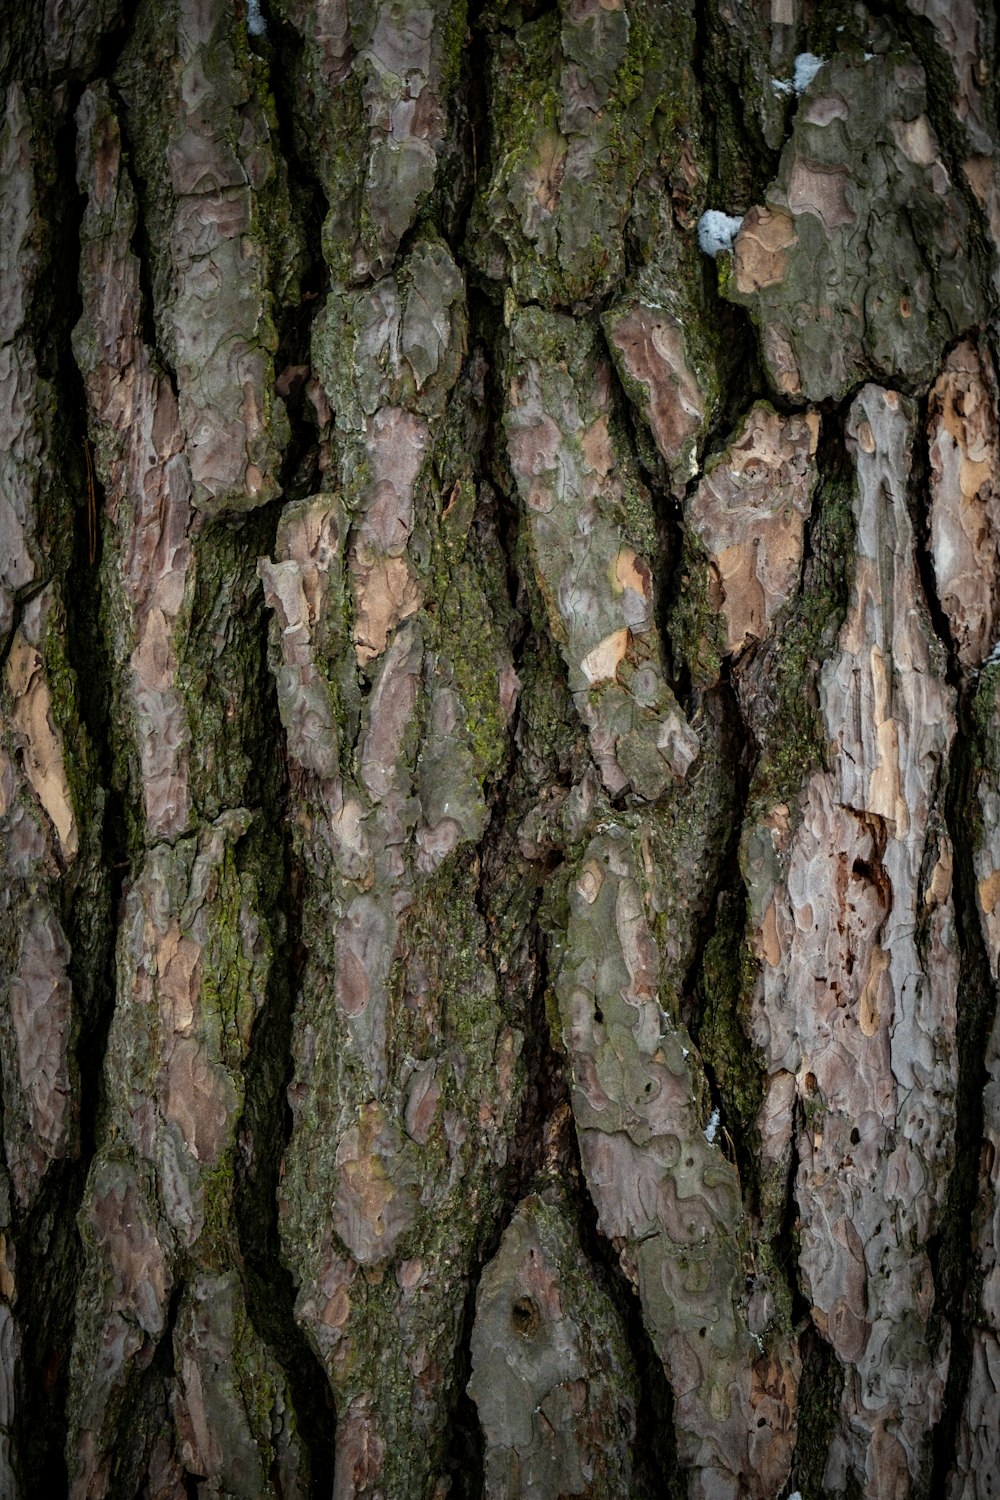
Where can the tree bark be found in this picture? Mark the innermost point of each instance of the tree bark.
(499, 749)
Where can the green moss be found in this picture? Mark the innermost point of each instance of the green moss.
(217, 1243)
(651, 37)
(791, 731)
(525, 101)
(60, 487)
(457, 1022)
(570, 249)
(240, 954)
(261, 1389)
(467, 997)
(331, 128)
(474, 645)
(724, 989)
(220, 643)
(552, 738)
(139, 78)
(654, 100)
(276, 226)
(451, 44)
(838, 27)
(695, 623)
(636, 512)
(984, 707)
(818, 1413)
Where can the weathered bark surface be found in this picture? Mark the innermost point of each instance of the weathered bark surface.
(499, 750)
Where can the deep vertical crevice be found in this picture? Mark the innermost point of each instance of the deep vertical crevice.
(717, 1019)
(744, 164)
(942, 98)
(472, 115)
(497, 525)
(284, 50)
(143, 1408)
(264, 1134)
(87, 649)
(306, 295)
(668, 513)
(47, 1239)
(141, 245)
(47, 1267)
(464, 1446)
(657, 1471)
(531, 1143)
(952, 1250)
(266, 1125)
(820, 1386)
(783, 722)
(760, 724)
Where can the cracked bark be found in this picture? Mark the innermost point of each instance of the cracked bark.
(499, 789)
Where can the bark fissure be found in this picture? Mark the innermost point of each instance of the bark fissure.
(47, 1238)
(657, 1470)
(499, 802)
(957, 1274)
(264, 1134)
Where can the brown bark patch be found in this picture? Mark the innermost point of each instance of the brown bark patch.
(761, 248)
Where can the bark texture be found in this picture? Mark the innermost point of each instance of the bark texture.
(499, 750)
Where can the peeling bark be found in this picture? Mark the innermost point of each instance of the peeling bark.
(499, 789)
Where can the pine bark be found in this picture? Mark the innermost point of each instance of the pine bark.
(499, 750)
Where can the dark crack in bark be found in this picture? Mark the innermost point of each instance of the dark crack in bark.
(952, 1251)
(47, 1239)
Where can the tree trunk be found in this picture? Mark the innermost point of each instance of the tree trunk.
(499, 749)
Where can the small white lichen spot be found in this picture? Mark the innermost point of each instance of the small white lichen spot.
(256, 25)
(782, 86)
(712, 1128)
(717, 231)
(807, 65)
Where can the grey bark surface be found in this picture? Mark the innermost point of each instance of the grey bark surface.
(499, 750)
